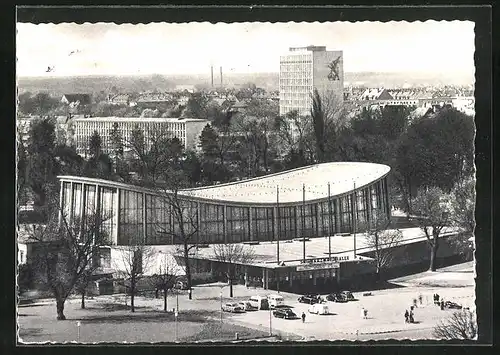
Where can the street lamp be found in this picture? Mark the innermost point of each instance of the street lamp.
(176, 314)
(177, 299)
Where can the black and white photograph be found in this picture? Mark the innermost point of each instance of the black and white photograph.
(225, 182)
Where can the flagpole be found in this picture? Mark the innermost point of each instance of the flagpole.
(329, 224)
(354, 220)
(303, 221)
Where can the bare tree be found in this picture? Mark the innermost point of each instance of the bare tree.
(136, 260)
(66, 252)
(432, 217)
(462, 202)
(165, 277)
(230, 255)
(184, 231)
(461, 325)
(382, 240)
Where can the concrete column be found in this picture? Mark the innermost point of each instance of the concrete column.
(61, 207)
(337, 274)
(71, 203)
(369, 212)
(337, 212)
(250, 226)
(225, 224)
(264, 279)
(198, 222)
(144, 216)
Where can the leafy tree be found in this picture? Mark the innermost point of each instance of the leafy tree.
(150, 113)
(116, 141)
(318, 119)
(69, 161)
(192, 166)
(432, 216)
(95, 145)
(42, 168)
(230, 255)
(44, 103)
(22, 164)
(437, 150)
(196, 106)
(100, 167)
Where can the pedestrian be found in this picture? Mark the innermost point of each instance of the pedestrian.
(415, 302)
(190, 293)
(420, 299)
(303, 317)
(411, 317)
(437, 298)
(362, 312)
(407, 315)
(365, 313)
(442, 305)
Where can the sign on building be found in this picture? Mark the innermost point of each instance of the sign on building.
(318, 266)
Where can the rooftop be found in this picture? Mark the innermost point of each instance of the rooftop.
(291, 252)
(342, 176)
(137, 119)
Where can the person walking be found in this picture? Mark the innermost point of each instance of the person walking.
(407, 316)
(420, 298)
(365, 313)
(442, 305)
(362, 312)
(411, 317)
(303, 317)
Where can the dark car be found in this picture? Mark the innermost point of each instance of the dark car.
(309, 299)
(336, 297)
(285, 313)
(348, 295)
(452, 305)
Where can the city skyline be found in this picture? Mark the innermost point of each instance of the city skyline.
(240, 48)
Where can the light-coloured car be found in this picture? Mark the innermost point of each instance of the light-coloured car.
(276, 301)
(319, 308)
(247, 306)
(259, 302)
(233, 307)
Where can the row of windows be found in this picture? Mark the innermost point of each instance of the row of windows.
(138, 215)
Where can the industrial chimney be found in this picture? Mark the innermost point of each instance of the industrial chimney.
(221, 76)
(212, 73)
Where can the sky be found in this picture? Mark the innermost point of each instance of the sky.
(191, 48)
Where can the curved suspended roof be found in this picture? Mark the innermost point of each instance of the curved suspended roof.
(343, 177)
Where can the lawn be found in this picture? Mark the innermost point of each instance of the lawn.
(108, 322)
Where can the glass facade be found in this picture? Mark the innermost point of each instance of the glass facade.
(131, 220)
(130, 216)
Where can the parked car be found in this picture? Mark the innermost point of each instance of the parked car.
(259, 302)
(452, 305)
(348, 295)
(181, 285)
(233, 307)
(319, 308)
(310, 299)
(336, 297)
(285, 313)
(247, 306)
(275, 301)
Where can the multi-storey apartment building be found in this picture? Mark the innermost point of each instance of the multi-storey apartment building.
(304, 69)
(186, 130)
